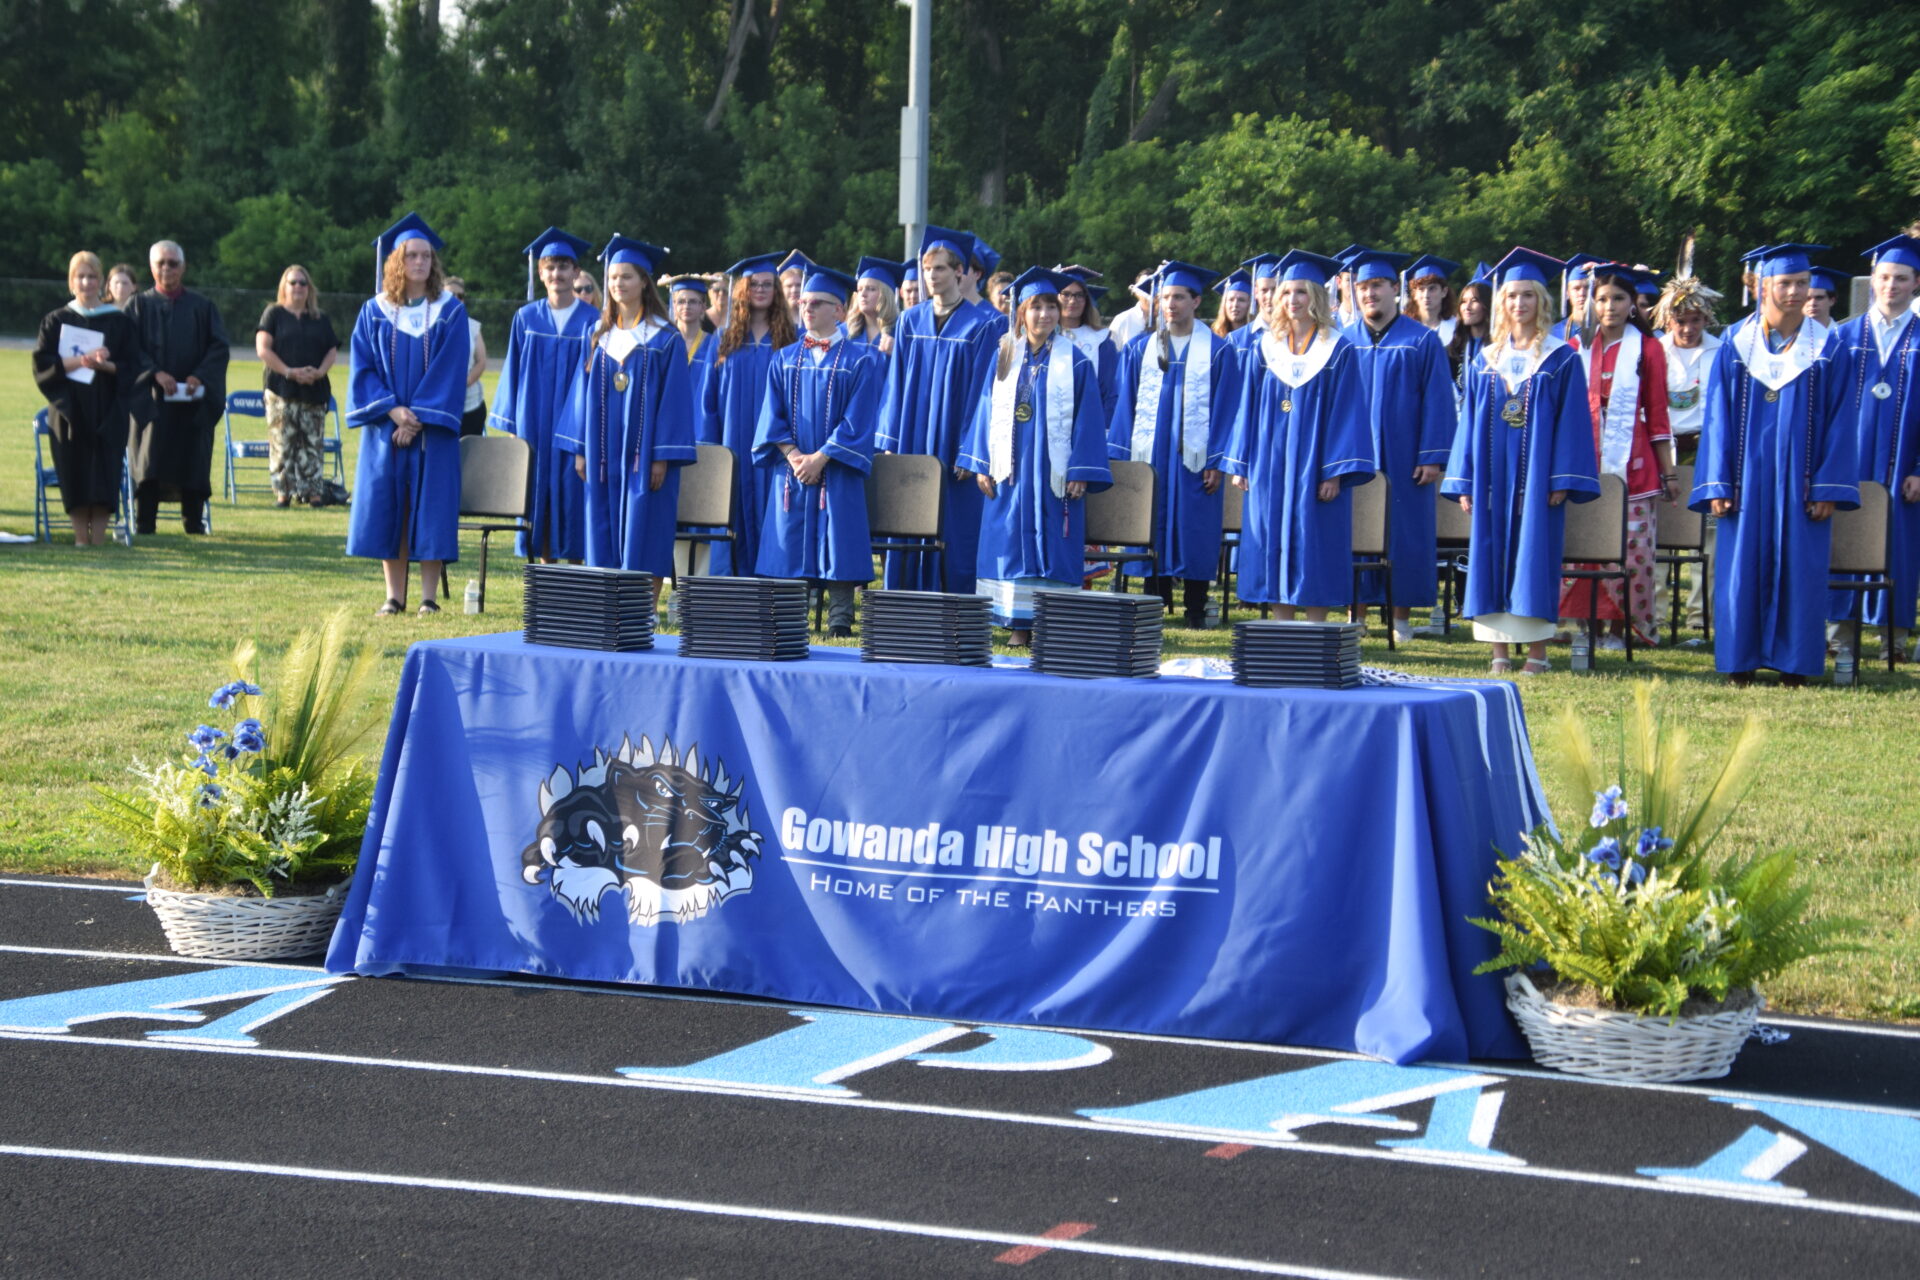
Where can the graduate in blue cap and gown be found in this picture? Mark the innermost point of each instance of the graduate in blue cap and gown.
(1411, 415)
(1777, 457)
(793, 271)
(687, 308)
(1263, 269)
(631, 426)
(1037, 446)
(873, 309)
(1576, 287)
(1523, 448)
(406, 392)
(1300, 440)
(1883, 407)
(943, 352)
(1175, 387)
(1345, 311)
(911, 294)
(1236, 302)
(1824, 287)
(1082, 324)
(1428, 297)
(815, 439)
(758, 325)
(546, 352)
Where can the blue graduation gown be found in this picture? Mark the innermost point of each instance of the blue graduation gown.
(543, 362)
(1026, 532)
(1517, 537)
(1294, 548)
(1887, 439)
(1188, 519)
(410, 494)
(1772, 457)
(729, 412)
(1099, 348)
(1412, 411)
(818, 531)
(932, 388)
(621, 434)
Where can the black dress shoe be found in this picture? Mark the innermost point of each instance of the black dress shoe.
(839, 633)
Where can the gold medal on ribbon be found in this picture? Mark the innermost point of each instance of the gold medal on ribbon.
(1513, 413)
(1772, 395)
(1023, 413)
(620, 380)
(1286, 406)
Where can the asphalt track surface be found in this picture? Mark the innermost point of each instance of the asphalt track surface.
(271, 1120)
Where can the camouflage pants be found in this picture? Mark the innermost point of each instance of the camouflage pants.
(294, 431)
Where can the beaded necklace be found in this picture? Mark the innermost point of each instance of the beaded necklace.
(639, 444)
(800, 363)
(393, 340)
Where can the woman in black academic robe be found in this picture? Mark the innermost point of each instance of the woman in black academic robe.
(87, 379)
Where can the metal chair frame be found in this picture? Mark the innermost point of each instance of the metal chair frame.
(1876, 506)
(1371, 553)
(1613, 490)
(46, 481)
(1129, 478)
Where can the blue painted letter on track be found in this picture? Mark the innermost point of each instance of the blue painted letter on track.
(160, 999)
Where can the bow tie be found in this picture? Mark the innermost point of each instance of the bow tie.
(808, 343)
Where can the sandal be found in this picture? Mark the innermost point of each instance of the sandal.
(388, 609)
(1500, 667)
(1536, 667)
(428, 608)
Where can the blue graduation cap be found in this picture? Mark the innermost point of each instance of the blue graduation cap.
(1083, 274)
(1482, 274)
(1904, 250)
(759, 264)
(1634, 278)
(984, 255)
(1580, 266)
(1649, 283)
(1834, 281)
(796, 261)
(553, 243)
(1311, 267)
(1376, 264)
(910, 270)
(1781, 259)
(1235, 282)
(1350, 251)
(647, 257)
(1526, 264)
(1428, 264)
(411, 227)
(1038, 282)
(1095, 292)
(1184, 275)
(1265, 266)
(958, 243)
(688, 284)
(826, 280)
(885, 270)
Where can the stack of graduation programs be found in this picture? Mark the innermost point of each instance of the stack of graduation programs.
(926, 626)
(1090, 634)
(753, 619)
(584, 608)
(1315, 655)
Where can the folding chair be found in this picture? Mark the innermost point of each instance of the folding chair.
(1597, 534)
(1680, 538)
(245, 404)
(1372, 523)
(1121, 518)
(1860, 548)
(1233, 513)
(332, 455)
(1453, 530)
(46, 482)
(705, 513)
(906, 505)
(496, 481)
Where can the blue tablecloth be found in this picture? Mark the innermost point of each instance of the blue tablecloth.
(1180, 856)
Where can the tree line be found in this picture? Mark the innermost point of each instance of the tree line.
(1109, 132)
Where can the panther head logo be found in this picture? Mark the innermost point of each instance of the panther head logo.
(668, 831)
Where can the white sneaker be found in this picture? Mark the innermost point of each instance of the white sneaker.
(1402, 635)
(1430, 631)
(1612, 644)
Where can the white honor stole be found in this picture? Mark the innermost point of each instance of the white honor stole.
(1059, 413)
(414, 321)
(1088, 339)
(1296, 371)
(1195, 406)
(1514, 366)
(1623, 402)
(1774, 371)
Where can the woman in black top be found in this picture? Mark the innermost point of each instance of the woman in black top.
(85, 364)
(296, 342)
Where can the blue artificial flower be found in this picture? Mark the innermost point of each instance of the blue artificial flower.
(205, 738)
(205, 765)
(1606, 853)
(252, 690)
(231, 752)
(1634, 872)
(252, 726)
(252, 742)
(223, 696)
(1652, 842)
(1607, 806)
(209, 794)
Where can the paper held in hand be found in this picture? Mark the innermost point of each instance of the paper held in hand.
(76, 341)
(182, 393)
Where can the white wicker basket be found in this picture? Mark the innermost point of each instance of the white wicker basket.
(221, 927)
(1628, 1046)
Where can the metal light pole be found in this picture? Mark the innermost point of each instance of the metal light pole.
(913, 126)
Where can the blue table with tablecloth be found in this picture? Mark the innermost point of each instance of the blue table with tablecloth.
(1179, 855)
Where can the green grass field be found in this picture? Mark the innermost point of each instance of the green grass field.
(109, 654)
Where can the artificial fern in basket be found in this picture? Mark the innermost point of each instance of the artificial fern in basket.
(278, 802)
(1631, 912)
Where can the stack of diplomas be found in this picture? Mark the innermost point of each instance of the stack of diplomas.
(1090, 634)
(1313, 655)
(584, 608)
(926, 626)
(749, 619)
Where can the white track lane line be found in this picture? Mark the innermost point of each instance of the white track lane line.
(712, 1208)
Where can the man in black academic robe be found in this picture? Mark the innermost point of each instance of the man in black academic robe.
(185, 348)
